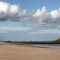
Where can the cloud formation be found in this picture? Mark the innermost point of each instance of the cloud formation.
(44, 16)
(8, 11)
(40, 18)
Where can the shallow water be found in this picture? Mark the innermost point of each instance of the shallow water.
(46, 46)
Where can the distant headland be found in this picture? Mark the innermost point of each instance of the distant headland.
(57, 41)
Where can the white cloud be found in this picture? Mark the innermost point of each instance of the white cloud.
(13, 11)
(8, 11)
(44, 17)
(3, 10)
(41, 18)
(40, 12)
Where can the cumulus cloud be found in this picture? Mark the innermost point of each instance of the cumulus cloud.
(40, 18)
(8, 11)
(44, 16)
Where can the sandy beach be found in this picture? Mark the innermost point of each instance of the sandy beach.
(23, 52)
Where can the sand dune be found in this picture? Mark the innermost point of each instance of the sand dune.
(23, 52)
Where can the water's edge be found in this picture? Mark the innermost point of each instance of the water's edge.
(45, 46)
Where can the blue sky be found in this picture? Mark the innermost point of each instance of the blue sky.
(32, 19)
(33, 4)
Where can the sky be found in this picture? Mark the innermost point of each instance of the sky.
(29, 19)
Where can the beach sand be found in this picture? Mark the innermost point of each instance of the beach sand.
(24, 52)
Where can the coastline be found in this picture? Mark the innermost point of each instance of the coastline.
(25, 52)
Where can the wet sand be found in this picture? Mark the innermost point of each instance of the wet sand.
(24, 52)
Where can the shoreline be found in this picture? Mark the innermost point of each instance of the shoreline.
(26, 52)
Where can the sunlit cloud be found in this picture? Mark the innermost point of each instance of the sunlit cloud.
(41, 18)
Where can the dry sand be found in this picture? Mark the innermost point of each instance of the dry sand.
(23, 52)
